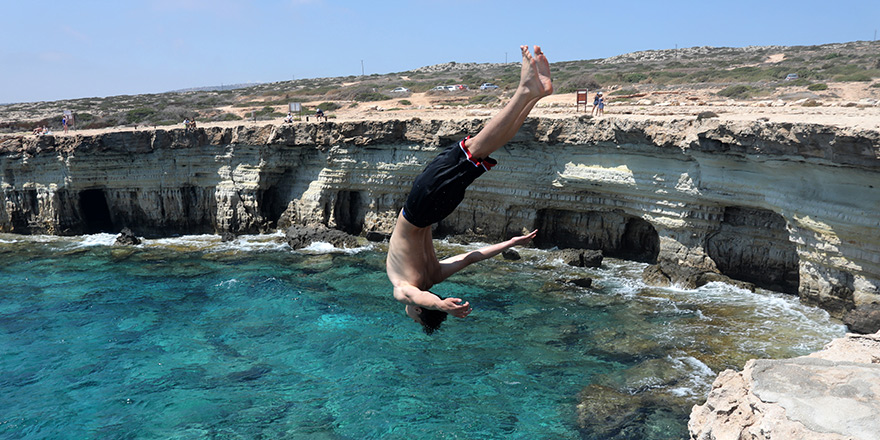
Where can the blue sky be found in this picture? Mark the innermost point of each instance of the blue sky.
(58, 50)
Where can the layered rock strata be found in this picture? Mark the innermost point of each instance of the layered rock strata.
(792, 207)
(833, 394)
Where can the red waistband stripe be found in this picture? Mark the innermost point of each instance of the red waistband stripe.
(486, 163)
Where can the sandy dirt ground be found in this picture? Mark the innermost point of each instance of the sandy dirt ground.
(853, 105)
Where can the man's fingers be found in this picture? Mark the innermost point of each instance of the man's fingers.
(463, 313)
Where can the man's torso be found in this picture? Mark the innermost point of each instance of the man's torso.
(411, 258)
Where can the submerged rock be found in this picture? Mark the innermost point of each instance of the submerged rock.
(582, 282)
(299, 237)
(511, 254)
(126, 237)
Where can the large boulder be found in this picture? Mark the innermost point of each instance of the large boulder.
(127, 238)
(667, 274)
(299, 237)
(580, 257)
(863, 319)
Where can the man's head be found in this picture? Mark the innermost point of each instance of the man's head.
(429, 319)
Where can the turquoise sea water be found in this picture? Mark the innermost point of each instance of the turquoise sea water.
(191, 338)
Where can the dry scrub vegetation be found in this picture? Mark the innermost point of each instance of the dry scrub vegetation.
(749, 73)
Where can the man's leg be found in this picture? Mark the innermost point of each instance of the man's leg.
(534, 84)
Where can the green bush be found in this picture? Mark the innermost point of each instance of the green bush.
(138, 115)
(361, 93)
(370, 96)
(798, 82)
(817, 87)
(737, 92)
(83, 119)
(876, 85)
(227, 117)
(329, 106)
(634, 77)
(811, 103)
(583, 81)
(851, 77)
(624, 92)
(404, 102)
(482, 99)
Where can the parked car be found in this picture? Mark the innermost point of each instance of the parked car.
(400, 90)
(444, 88)
(488, 86)
(791, 77)
(456, 87)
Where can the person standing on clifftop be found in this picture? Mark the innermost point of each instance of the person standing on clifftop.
(412, 264)
(596, 101)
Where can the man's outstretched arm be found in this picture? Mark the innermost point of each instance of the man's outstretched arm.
(454, 264)
(413, 296)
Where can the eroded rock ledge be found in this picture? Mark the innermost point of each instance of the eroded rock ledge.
(791, 207)
(833, 394)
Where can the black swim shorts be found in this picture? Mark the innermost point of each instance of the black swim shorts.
(441, 186)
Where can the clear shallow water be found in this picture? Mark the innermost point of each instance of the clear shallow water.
(192, 338)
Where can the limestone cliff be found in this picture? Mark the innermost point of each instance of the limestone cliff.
(792, 207)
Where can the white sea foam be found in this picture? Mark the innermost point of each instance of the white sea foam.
(698, 382)
(228, 283)
(320, 247)
(256, 243)
(214, 243)
(102, 239)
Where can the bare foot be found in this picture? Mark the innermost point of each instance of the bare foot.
(535, 76)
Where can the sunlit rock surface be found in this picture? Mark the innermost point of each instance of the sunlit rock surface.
(833, 394)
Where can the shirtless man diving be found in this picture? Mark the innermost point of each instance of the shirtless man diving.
(412, 265)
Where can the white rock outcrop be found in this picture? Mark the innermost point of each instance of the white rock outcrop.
(833, 394)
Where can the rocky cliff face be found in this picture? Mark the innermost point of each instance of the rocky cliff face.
(792, 207)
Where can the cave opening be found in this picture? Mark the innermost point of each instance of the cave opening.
(272, 205)
(640, 241)
(614, 233)
(753, 245)
(347, 212)
(95, 211)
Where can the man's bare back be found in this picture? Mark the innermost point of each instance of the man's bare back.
(412, 265)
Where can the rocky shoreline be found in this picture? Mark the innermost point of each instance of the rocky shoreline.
(832, 394)
(789, 207)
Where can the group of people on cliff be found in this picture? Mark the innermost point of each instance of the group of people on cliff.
(189, 124)
(290, 118)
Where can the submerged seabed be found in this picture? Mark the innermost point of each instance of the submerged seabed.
(193, 338)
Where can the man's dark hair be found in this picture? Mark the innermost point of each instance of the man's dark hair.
(431, 319)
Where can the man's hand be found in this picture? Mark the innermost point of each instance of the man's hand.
(455, 307)
(524, 239)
